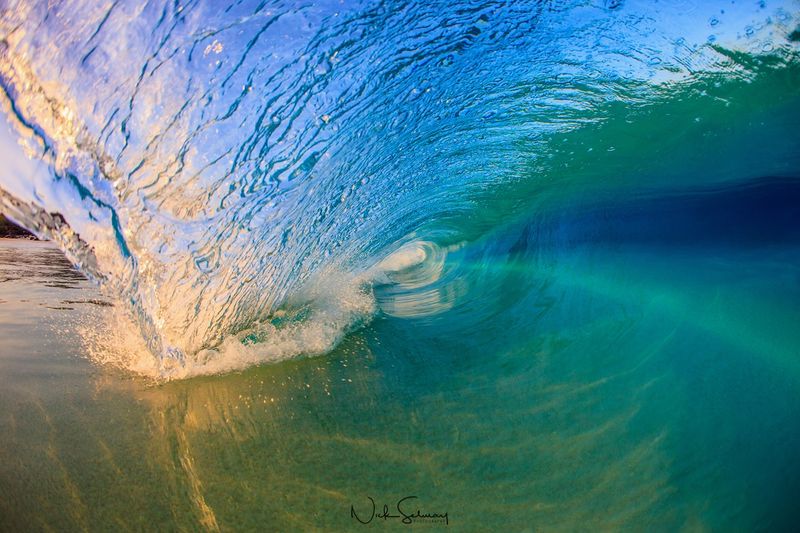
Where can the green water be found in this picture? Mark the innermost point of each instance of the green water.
(611, 389)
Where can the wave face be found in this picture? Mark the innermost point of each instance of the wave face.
(241, 175)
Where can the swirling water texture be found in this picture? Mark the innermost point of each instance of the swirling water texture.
(207, 161)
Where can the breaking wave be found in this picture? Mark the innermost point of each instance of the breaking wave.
(252, 180)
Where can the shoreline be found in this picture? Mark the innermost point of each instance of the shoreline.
(10, 230)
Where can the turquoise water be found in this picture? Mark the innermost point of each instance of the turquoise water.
(535, 264)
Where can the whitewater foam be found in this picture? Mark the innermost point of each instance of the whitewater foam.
(311, 322)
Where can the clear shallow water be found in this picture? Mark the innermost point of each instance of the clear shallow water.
(534, 263)
(221, 169)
